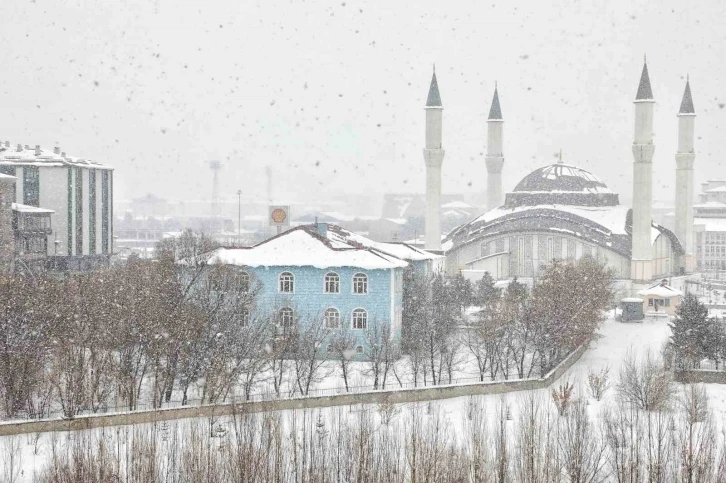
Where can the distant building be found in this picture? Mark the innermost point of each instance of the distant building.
(709, 220)
(660, 297)
(321, 272)
(76, 194)
(561, 211)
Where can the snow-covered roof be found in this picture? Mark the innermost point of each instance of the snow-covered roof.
(601, 225)
(610, 217)
(401, 250)
(661, 290)
(303, 246)
(710, 204)
(632, 299)
(563, 178)
(717, 189)
(711, 224)
(30, 209)
(458, 205)
(28, 156)
(8, 176)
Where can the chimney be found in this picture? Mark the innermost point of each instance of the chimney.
(56, 150)
(321, 229)
(663, 282)
(37, 149)
(27, 147)
(19, 148)
(63, 155)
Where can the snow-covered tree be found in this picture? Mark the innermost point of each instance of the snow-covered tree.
(695, 336)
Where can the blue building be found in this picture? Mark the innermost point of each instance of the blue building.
(324, 274)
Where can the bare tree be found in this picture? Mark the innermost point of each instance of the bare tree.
(598, 382)
(381, 352)
(342, 347)
(645, 383)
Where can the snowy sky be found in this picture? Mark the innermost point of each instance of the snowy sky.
(330, 94)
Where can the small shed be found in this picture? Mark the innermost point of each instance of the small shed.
(632, 309)
(660, 297)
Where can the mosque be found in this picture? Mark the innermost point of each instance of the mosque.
(563, 211)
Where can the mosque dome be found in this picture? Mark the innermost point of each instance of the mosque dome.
(561, 184)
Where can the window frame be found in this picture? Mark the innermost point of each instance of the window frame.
(292, 282)
(244, 280)
(281, 318)
(325, 318)
(245, 317)
(325, 282)
(365, 283)
(364, 312)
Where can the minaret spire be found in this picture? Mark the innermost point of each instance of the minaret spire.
(641, 264)
(687, 101)
(644, 90)
(434, 98)
(433, 157)
(495, 152)
(495, 111)
(685, 158)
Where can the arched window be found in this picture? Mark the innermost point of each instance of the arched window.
(332, 283)
(332, 318)
(360, 283)
(286, 318)
(243, 281)
(287, 282)
(360, 319)
(359, 349)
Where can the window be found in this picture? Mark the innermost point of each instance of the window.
(31, 186)
(332, 283)
(360, 319)
(332, 318)
(359, 349)
(286, 318)
(79, 211)
(550, 248)
(91, 211)
(287, 282)
(484, 249)
(243, 281)
(105, 214)
(244, 318)
(360, 283)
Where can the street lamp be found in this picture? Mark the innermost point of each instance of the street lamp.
(239, 216)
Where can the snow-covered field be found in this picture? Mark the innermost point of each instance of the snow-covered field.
(25, 456)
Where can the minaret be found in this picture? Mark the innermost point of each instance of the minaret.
(641, 267)
(434, 157)
(495, 153)
(685, 157)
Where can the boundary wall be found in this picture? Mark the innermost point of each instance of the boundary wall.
(427, 393)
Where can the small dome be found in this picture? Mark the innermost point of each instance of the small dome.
(561, 184)
(561, 177)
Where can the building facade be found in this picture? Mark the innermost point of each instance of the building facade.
(709, 220)
(79, 193)
(325, 274)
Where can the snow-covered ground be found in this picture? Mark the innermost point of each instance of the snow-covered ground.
(609, 349)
